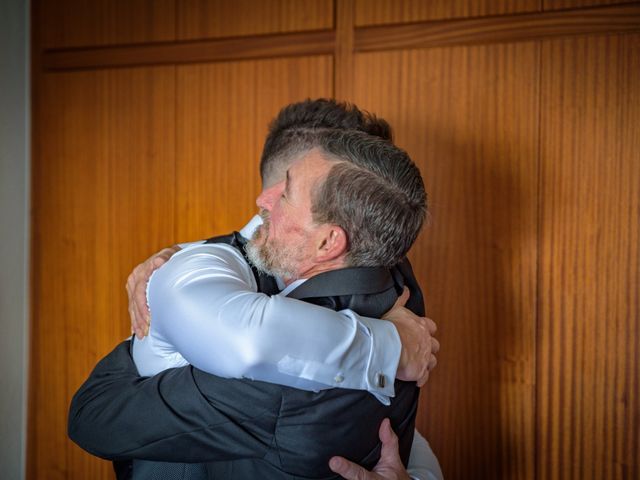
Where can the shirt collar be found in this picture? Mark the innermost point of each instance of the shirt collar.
(289, 288)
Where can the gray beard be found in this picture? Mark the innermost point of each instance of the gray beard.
(268, 260)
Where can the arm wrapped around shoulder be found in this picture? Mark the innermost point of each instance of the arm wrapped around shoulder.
(179, 415)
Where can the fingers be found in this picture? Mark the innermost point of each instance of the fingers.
(136, 287)
(138, 319)
(157, 261)
(133, 313)
(435, 345)
(433, 361)
(431, 326)
(134, 329)
(162, 256)
(347, 469)
(431, 364)
(140, 302)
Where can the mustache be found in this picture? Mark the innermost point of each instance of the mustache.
(265, 216)
(262, 230)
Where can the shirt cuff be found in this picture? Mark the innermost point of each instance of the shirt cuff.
(384, 357)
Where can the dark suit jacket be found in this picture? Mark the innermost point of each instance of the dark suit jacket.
(246, 429)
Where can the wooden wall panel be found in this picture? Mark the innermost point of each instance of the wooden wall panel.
(589, 347)
(378, 12)
(468, 117)
(103, 199)
(198, 19)
(223, 112)
(531, 264)
(81, 23)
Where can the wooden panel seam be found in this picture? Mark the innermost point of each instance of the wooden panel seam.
(240, 48)
(496, 29)
(502, 28)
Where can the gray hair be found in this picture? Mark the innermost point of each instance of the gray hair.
(374, 192)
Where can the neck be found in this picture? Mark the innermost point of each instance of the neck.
(317, 269)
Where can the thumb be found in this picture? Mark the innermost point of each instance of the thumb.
(346, 469)
(402, 299)
(389, 454)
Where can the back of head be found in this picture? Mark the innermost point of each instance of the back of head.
(374, 192)
(282, 144)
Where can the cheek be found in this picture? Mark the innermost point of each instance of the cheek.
(278, 220)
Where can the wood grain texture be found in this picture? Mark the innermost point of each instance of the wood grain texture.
(81, 23)
(103, 199)
(222, 117)
(496, 29)
(529, 149)
(380, 12)
(468, 117)
(523, 27)
(589, 348)
(343, 55)
(198, 19)
(280, 45)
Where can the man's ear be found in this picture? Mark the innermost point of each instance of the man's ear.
(332, 243)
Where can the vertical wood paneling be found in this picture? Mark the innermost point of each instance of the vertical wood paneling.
(531, 264)
(378, 12)
(588, 390)
(223, 112)
(103, 199)
(199, 19)
(344, 54)
(468, 117)
(76, 23)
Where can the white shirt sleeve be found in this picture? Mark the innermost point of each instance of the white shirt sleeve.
(423, 464)
(205, 305)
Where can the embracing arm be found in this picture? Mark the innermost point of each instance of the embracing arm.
(204, 305)
(178, 415)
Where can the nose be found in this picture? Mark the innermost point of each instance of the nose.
(267, 199)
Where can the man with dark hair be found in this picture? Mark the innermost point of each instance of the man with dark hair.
(344, 151)
(312, 115)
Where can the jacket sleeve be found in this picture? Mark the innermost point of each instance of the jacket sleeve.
(179, 415)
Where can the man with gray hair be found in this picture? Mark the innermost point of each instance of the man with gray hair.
(382, 204)
(336, 185)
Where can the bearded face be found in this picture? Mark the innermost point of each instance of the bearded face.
(272, 255)
(284, 244)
